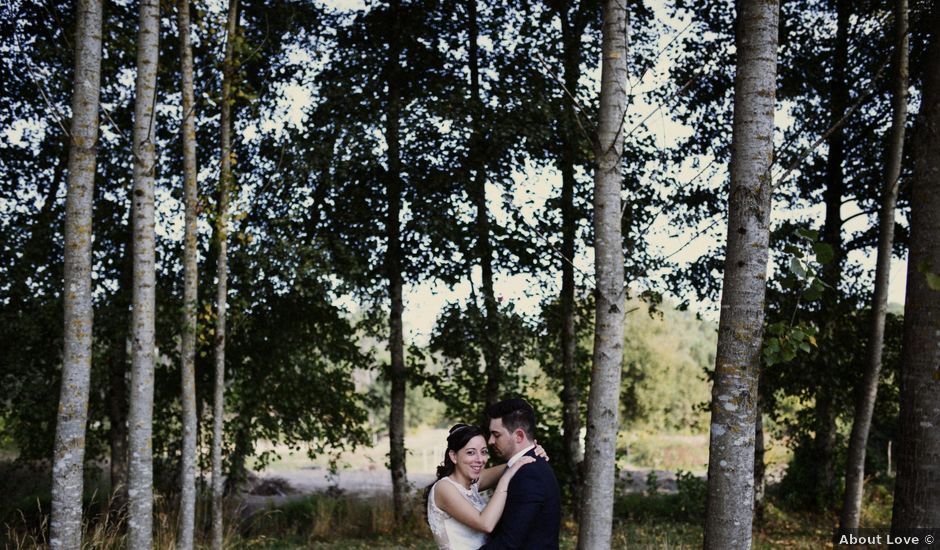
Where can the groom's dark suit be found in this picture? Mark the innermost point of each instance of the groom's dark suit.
(532, 516)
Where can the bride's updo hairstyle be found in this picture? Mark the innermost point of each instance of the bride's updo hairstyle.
(457, 439)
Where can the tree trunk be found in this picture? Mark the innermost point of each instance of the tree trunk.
(741, 323)
(117, 416)
(140, 414)
(571, 390)
(867, 393)
(117, 379)
(477, 164)
(69, 451)
(603, 401)
(190, 286)
(824, 440)
(393, 264)
(917, 492)
(221, 298)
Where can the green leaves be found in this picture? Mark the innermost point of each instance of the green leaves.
(802, 272)
(815, 290)
(784, 342)
(808, 234)
(798, 268)
(824, 253)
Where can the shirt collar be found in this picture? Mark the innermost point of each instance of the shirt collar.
(518, 455)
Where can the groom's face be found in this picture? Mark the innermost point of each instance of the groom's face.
(501, 440)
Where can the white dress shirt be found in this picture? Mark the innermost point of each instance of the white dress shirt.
(518, 455)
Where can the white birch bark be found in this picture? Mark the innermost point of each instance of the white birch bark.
(140, 413)
(603, 400)
(69, 451)
(221, 303)
(190, 285)
(741, 323)
(868, 392)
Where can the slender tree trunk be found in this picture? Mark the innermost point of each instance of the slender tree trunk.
(603, 402)
(825, 438)
(917, 491)
(741, 324)
(571, 390)
(69, 451)
(117, 416)
(140, 414)
(117, 379)
(477, 164)
(221, 298)
(190, 286)
(868, 392)
(393, 264)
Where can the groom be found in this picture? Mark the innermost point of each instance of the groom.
(532, 516)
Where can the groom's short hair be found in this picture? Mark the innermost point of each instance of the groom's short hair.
(516, 414)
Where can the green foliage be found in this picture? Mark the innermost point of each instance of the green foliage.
(692, 492)
(686, 505)
(783, 341)
(663, 372)
(803, 273)
(421, 409)
(796, 491)
(665, 451)
(456, 374)
(652, 483)
(794, 418)
(290, 351)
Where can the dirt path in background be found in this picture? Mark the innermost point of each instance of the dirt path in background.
(272, 489)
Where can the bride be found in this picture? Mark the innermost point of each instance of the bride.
(459, 515)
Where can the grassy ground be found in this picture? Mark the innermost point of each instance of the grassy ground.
(657, 521)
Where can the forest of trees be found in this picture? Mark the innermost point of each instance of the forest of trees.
(213, 214)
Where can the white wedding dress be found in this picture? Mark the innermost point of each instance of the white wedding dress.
(450, 534)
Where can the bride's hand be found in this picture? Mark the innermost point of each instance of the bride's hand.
(511, 471)
(540, 452)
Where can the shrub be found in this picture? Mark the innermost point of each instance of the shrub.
(692, 493)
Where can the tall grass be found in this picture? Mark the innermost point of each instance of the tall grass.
(324, 518)
(104, 525)
(301, 522)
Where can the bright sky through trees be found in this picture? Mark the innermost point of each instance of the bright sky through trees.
(533, 187)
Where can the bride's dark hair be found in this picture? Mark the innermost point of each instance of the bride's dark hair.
(457, 438)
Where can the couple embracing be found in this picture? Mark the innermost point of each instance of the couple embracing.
(524, 510)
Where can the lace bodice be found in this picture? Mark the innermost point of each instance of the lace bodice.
(450, 534)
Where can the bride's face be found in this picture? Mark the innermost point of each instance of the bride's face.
(471, 459)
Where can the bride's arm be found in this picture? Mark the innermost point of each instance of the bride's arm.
(451, 501)
(490, 476)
